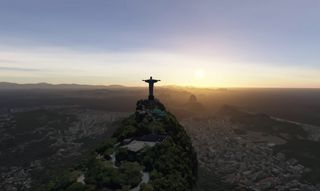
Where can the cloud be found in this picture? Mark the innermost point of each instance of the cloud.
(7, 61)
(18, 69)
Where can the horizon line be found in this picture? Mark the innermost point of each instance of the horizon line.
(162, 86)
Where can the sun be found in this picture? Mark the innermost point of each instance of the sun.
(199, 74)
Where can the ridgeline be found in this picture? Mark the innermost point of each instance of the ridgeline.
(150, 151)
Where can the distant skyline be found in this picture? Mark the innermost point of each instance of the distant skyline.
(206, 43)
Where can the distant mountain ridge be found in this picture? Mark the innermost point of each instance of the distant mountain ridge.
(44, 85)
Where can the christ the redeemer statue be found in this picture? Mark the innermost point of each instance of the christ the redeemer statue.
(151, 82)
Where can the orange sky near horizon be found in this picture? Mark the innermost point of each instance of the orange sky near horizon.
(56, 65)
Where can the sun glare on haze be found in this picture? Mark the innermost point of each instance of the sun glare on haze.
(199, 74)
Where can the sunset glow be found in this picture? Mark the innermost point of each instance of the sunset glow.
(200, 74)
(209, 46)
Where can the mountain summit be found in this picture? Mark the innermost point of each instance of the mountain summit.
(150, 151)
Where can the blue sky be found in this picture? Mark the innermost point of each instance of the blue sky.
(230, 43)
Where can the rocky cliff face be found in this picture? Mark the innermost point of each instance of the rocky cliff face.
(150, 151)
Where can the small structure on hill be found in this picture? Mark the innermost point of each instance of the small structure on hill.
(136, 146)
(138, 143)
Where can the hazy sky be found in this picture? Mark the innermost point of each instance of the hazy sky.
(274, 43)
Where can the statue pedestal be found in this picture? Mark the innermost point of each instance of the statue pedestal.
(151, 97)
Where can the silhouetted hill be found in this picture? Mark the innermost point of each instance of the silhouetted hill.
(150, 151)
(7, 85)
(194, 105)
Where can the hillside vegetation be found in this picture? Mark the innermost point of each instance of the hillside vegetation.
(166, 161)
